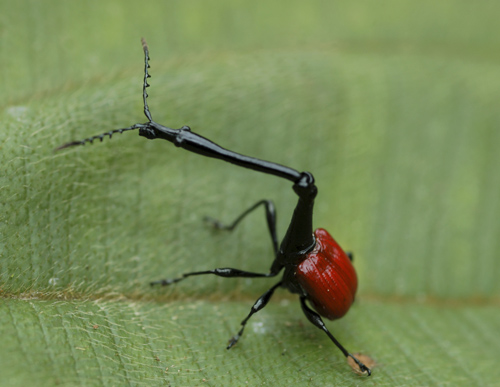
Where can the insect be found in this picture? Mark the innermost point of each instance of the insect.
(314, 266)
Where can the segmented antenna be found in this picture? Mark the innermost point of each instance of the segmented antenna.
(136, 126)
(146, 76)
(99, 136)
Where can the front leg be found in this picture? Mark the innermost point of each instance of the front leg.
(259, 304)
(270, 217)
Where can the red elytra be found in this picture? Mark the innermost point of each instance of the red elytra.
(328, 277)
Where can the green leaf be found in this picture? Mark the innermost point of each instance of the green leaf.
(393, 106)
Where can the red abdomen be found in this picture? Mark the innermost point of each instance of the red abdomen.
(328, 277)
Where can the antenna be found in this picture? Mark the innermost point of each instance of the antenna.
(133, 127)
(146, 76)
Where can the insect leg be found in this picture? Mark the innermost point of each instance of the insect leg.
(226, 272)
(314, 318)
(259, 304)
(230, 272)
(270, 216)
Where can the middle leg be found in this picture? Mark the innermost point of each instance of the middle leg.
(226, 272)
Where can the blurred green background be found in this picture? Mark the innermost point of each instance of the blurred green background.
(393, 105)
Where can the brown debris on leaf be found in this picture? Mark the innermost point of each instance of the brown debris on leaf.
(366, 360)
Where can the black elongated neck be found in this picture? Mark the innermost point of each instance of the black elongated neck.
(299, 238)
(195, 143)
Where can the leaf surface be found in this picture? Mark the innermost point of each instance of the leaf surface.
(392, 106)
